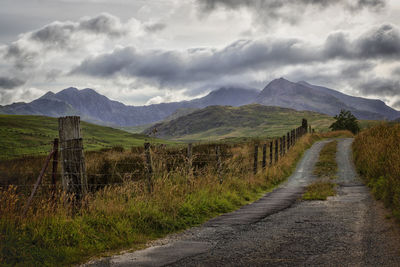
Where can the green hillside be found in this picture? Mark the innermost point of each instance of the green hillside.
(25, 134)
(220, 122)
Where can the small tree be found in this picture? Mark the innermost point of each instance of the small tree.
(345, 121)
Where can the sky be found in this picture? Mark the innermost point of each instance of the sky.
(144, 52)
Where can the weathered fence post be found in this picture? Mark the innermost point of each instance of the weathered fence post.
(255, 167)
(55, 164)
(276, 150)
(288, 141)
(149, 167)
(309, 128)
(284, 144)
(189, 158)
(264, 158)
(292, 139)
(271, 144)
(74, 178)
(280, 147)
(304, 125)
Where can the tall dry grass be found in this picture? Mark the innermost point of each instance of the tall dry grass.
(55, 232)
(377, 158)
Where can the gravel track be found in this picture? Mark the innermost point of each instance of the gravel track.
(348, 229)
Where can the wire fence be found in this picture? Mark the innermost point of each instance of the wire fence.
(65, 166)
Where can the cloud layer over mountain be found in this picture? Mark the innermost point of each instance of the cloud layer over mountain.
(166, 51)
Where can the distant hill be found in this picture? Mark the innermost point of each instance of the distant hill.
(96, 108)
(304, 96)
(26, 134)
(217, 122)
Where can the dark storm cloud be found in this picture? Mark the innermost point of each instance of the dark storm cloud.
(380, 86)
(356, 70)
(59, 34)
(10, 83)
(287, 10)
(155, 27)
(171, 67)
(380, 43)
(244, 56)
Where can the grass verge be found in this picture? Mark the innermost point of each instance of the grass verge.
(127, 216)
(377, 155)
(320, 190)
(325, 169)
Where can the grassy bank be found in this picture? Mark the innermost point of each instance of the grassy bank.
(377, 157)
(26, 134)
(326, 169)
(127, 216)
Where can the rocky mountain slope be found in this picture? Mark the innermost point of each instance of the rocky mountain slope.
(96, 108)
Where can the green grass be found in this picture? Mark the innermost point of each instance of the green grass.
(126, 216)
(224, 122)
(319, 190)
(20, 134)
(376, 154)
(326, 170)
(326, 167)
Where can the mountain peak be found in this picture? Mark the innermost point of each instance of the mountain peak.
(72, 89)
(48, 95)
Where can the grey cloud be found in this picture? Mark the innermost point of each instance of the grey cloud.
(55, 35)
(287, 10)
(380, 86)
(58, 34)
(21, 57)
(10, 83)
(385, 41)
(397, 104)
(155, 27)
(171, 67)
(244, 56)
(380, 43)
(396, 71)
(103, 24)
(356, 70)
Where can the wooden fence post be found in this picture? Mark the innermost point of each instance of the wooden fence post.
(264, 158)
(74, 178)
(284, 144)
(55, 165)
(149, 167)
(288, 141)
(292, 138)
(280, 147)
(271, 144)
(276, 150)
(304, 125)
(255, 159)
(309, 128)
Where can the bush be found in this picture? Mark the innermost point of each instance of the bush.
(345, 121)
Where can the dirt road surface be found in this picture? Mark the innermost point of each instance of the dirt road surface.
(349, 229)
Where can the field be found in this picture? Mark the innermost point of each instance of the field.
(125, 214)
(26, 135)
(225, 122)
(377, 157)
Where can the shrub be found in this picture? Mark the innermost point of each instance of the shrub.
(345, 121)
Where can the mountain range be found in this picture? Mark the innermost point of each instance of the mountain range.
(96, 108)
